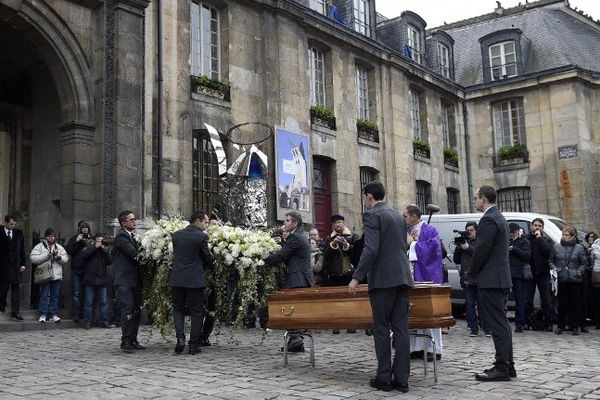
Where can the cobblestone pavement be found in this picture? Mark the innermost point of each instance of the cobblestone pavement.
(87, 364)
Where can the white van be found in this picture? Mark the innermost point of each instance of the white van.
(448, 224)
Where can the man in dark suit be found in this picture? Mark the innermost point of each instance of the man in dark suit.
(295, 253)
(384, 263)
(490, 266)
(12, 264)
(127, 281)
(187, 280)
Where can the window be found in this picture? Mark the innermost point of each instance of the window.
(453, 200)
(445, 125)
(443, 59)
(367, 175)
(414, 43)
(423, 194)
(415, 111)
(318, 5)
(205, 172)
(509, 123)
(503, 60)
(205, 41)
(516, 199)
(316, 61)
(361, 17)
(362, 92)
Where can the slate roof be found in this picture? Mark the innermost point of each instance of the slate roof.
(558, 37)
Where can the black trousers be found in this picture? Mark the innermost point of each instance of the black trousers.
(193, 298)
(130, 300)
(390, 311)
(569, 305)
(209, 315)
(14, 297)
(493, 303)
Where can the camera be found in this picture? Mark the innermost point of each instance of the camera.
(105, 243)
(460, 238)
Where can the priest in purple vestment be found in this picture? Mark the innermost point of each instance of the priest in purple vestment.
(425, 255)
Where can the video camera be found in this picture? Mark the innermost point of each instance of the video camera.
(460, 238)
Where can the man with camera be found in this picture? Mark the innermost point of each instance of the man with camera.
(465, 246)
(94, 259)
(74, 246)
(337, 250)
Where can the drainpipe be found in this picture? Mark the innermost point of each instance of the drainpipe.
(159, 109)
(468, 156)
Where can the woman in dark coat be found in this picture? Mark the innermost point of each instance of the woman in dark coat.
(568, 258)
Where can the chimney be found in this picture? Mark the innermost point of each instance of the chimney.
(499, 9)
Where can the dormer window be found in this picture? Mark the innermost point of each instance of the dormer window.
(318, 5)
(414, 43)
(361, 17)
(444, 59)
(503, 60)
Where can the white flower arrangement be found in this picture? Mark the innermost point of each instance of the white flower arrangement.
(239, 255)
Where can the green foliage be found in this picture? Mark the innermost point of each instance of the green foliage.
(451, 156)
(321, 112)
(207, 82)
(421, 146)
(516, 150)
(366, 125)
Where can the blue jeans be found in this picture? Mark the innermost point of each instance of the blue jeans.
(47, 307)
(76, 285)
(472, 303)
(98, 292)
(519, 294)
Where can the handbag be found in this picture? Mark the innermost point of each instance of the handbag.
(564, 273)
(527, 274)
(43, 273)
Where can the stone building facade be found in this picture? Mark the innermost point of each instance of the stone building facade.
(104, 106)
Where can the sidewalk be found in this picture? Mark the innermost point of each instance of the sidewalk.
(87, 364)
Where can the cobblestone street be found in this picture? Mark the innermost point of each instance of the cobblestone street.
(87, 364)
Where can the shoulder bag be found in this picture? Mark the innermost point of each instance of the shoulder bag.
(43, 273)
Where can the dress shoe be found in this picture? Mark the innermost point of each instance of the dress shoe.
(438, 357)
(194, 349)
(127, 347)
(369, 331)
(493, 375)
(180, 346)
(583, 329)
(414, 355)
(386, 387)
(576, 332)
(549, 328)
(402, 387)
(136, 345)
(204, 343)
(512, 371)
(335, 331)
(558, 331)
(350, 330)
(519, 329)
(16, 317)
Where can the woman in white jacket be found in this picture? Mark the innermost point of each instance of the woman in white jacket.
(52, 253)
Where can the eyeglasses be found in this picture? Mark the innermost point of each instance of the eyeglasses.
(567, 234)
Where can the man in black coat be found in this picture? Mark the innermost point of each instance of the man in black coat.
(12, 264)
(385, 264)
(187, 280)
(519, 254)
(74, 246)
(295, 253)
(127, 281)
(489, 265)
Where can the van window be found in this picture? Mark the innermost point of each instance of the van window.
(560, 224)
(525, 225)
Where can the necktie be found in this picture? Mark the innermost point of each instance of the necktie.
(9, 235)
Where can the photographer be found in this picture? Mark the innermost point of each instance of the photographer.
(74, 246)
(462, 256)
(52, 253)
(94, 259)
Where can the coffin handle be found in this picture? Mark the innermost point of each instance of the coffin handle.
(287, 314)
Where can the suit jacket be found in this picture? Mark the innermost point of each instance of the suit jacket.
(489, 264)
(125, 260)
(383, 260)
(295, 253)
(190, 256)
(12, 256)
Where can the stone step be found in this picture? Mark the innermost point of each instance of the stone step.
(31, 323)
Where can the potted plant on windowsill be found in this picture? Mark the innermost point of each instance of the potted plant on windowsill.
(322, 116)
(451, 157)
(209, 87)
(421, 149)
(515, 154)
(367, 130)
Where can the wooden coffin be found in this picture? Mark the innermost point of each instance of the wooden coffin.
(335, 308)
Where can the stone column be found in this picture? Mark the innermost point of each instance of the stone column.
(123, 147)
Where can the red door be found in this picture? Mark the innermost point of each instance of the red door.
(322, 196)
